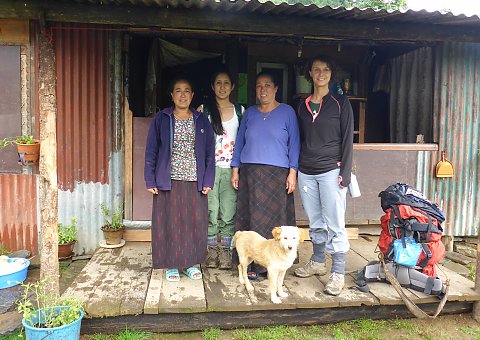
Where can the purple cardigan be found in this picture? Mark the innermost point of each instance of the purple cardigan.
(158, 152)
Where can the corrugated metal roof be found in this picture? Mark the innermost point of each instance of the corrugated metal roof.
(326, 12)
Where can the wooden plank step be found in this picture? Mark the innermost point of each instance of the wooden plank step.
(153, 294)
(308, 292)
(461, 288)
(185, 296)
(224, 292)
(117, 280)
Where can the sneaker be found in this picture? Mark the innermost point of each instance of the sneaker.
(211, 260)
(311, 268)
(225, 258)
(335, 284)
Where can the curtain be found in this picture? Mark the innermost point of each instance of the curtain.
(411, 96)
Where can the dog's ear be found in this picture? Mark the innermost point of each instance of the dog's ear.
(276, 232)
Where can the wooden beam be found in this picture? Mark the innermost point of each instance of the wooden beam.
(236, 22)
(185, 322)
(48, 189)
(14, 31)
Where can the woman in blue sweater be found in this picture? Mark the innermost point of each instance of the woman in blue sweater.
(265, 163)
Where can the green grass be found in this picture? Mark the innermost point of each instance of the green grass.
(277, 333)
(472, 268)
(63, 267)
(211, 334)
(127, 334)
(475, 332)
(19, 335)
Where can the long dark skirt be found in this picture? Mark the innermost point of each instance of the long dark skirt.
(262, 201)
(179, 226)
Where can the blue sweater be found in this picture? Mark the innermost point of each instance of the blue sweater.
(271, 141)
(158, 152)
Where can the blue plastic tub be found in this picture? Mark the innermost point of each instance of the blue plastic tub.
(67, 332)
(17, 277)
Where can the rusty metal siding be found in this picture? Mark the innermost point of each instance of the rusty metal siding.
(89, 127)
(83, 103)
(456, 128)
(18, 212)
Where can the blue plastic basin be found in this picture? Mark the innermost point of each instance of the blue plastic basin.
(15, 278)
(67, 332)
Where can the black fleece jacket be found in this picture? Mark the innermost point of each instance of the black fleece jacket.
(327, 138)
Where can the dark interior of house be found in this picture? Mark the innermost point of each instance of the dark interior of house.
(364, 74)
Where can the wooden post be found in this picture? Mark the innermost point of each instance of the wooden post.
(48, 190)
(476, 305)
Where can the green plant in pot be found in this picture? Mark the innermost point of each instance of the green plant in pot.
(113, 227)
(49, 316)
(28, 148)
(67, 237)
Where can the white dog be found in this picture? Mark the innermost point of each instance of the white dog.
(277, 255)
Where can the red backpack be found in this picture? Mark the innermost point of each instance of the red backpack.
(414, 221)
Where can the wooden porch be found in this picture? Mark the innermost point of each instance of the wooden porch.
(120, 288)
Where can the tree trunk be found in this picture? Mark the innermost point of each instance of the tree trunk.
(48, 190)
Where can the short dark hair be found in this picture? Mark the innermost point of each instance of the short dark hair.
(267, 74)
(327, 60)
(179, 79)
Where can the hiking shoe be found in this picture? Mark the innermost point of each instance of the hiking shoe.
(335, 284)
(225, 258)
(211, 260)
(311, 268)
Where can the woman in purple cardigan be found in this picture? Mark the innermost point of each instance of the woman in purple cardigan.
(179, 172)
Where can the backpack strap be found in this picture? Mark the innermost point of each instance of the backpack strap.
(428, 255)
(238, 110)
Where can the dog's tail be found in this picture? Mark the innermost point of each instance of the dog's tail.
(237, 234)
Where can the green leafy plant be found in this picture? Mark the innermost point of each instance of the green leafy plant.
(67, 233)
(3, 250)
(23, 139)
(113, 217)
(37, 298)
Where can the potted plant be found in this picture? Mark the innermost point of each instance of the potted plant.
(49, 316)
(28, 148)
(67, 237)
(113, 227)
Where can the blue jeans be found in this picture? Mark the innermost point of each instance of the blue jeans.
(325, 203)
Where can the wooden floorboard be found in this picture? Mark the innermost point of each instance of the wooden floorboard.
(224, 292)
(185, 296)
(120, 282)
(153, 294)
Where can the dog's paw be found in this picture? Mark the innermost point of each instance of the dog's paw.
(275, 299)
(249, 287)
(282, 294)
(242, 281)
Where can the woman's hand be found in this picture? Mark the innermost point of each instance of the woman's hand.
(206, 190)
(340, 182)
(153, 191)
(234, 179)
(291, 182)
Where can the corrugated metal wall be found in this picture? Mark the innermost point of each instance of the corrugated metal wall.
(457, 126)
(89, 171)
(18, 212)
(83, 104)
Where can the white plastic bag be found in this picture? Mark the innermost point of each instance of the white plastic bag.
(353, 187)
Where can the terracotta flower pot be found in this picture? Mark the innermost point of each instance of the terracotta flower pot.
(28, 153)
(113, 236)
(65, 250)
